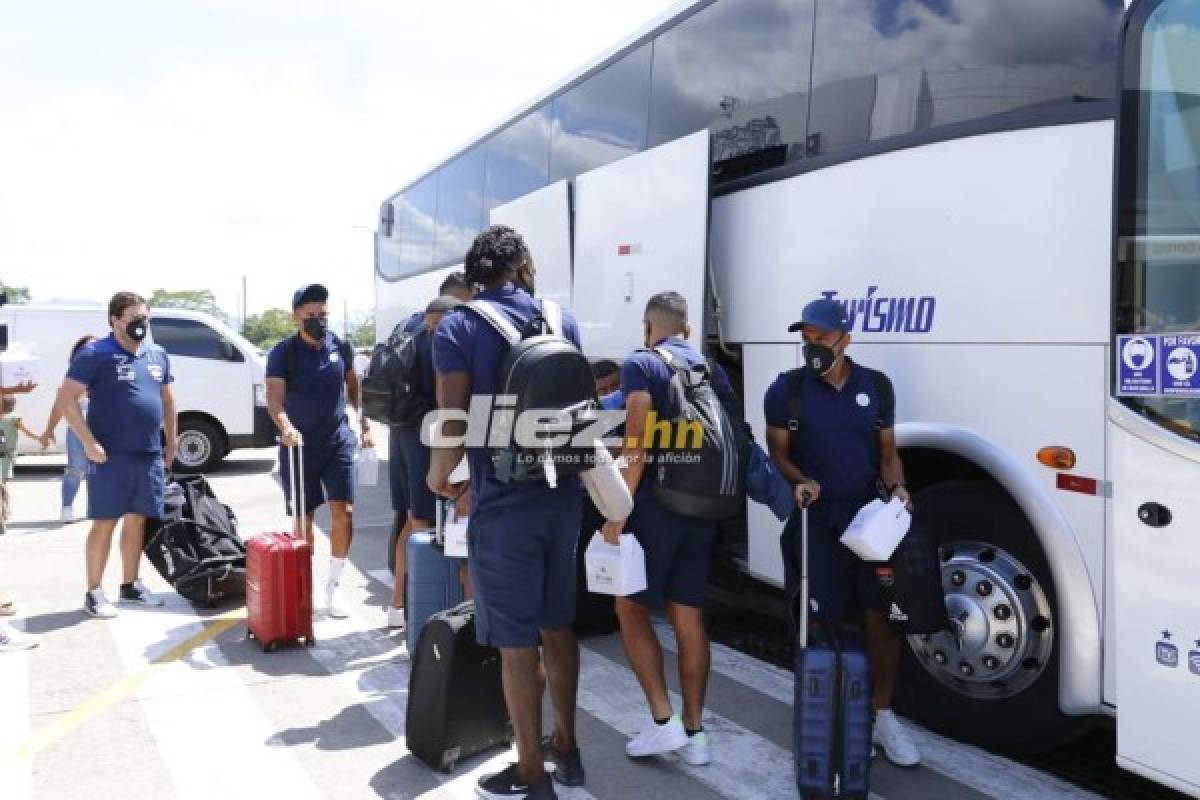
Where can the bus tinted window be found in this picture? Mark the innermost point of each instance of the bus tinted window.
(415, 228)
(459, 206)
(884, 67)
(518, 159)
(740, 68)
(1158, 249)
(602, 119)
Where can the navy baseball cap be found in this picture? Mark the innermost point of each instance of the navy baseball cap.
(826, 314)
(313, 293)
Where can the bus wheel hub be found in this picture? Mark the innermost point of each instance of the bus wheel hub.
(1001, 628)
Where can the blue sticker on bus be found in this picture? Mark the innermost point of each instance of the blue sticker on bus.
(1137, 370)
(1179, 364)
(1166, 655)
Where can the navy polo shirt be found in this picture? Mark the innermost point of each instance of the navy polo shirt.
(125, 389)
(464, 342)
(837, 442)
(644, 371)
(315, 400)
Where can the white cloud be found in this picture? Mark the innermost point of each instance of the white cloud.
(185, 145)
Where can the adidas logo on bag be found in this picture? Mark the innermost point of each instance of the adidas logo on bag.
(896, 614)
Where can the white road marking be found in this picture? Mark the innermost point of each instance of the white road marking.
(194, 700)
(976, 768)
(16, 774)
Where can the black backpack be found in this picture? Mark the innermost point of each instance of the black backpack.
(544, 371)
(391, 390)
(704, 483)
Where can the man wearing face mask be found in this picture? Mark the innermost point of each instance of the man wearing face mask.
(310, 377)
(128, 382)
(830, 432)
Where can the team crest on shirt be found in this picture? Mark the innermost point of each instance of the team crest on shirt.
(333, 358)
(863, 400)
(124, 368)
(156, 372)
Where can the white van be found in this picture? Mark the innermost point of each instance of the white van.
(220, 385)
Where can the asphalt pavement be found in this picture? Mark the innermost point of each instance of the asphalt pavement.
(175, 702)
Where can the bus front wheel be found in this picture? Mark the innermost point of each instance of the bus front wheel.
(993, 678)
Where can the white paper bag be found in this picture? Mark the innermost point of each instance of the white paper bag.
(877, 529)
(18, 365)
(454, 543)
(606, 487)
(616, 569)
(367, 465)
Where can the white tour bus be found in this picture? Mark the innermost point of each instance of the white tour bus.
(219, 376)
(1007, 197)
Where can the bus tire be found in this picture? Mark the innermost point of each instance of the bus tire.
(201, 445)
(1000, 690)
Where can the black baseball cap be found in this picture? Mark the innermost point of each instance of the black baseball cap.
(313, 293)
(824, 313)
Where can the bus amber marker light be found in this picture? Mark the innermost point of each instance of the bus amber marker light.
(1057, 457)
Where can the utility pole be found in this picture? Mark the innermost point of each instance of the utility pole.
(243, 305)
(346, 318)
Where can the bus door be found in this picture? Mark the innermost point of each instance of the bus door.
(1154, 438)
(543, 218)
(641, 227)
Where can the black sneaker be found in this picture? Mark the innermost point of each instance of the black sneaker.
(137, 594)
(568, 767)
(509, 784)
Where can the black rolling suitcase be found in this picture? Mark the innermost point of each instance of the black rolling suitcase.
(832, 707)
(455, 696)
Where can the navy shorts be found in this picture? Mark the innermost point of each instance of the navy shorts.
(328, 475)
(678, 554)
(408, 468)
(522, 564)
(839, 581)
(127, 483)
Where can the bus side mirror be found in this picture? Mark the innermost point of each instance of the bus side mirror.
(227, 351)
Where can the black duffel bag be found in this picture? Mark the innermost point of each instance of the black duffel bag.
(911, 582)
(195, 545)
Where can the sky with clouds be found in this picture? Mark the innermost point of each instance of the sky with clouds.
(186, 143)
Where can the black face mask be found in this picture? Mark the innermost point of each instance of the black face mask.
(316, 328)
(137, 328)
(820, 358)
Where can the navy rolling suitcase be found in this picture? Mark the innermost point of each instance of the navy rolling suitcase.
(832, 708)
(432, 582)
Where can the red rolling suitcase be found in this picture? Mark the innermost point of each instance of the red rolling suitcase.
(279, 576)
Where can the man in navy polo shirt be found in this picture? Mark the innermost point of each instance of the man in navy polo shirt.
(309, 377)
(830, 431)
(128, 383)
(678, 549)
(521, 535)
(408, 457)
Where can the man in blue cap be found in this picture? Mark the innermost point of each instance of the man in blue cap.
(830, 431)
(310, 376)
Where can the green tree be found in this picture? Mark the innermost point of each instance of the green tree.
(267, 328)
(190, 299)
(362, 331)
(17, 295)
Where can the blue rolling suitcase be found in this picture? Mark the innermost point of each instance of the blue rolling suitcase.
(832, 708)
(432, 583)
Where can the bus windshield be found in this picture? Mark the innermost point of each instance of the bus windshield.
(1158, 224)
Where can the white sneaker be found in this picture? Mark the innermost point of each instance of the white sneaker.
(396, 620)
(12, 639)
(890, 735)
(68, 514)
(698, 750)
(655, 739)
(333, 603)
(97, 605)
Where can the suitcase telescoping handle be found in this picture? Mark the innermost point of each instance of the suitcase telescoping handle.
(296, 454)
(807, 500)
